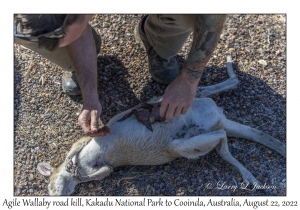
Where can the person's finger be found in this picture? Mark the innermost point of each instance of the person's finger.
(170, 112)
(84, 123)
(163, 109)
(178, 111)
(94, 121)
(185, 109)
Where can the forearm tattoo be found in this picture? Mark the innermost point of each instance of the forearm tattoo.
(207, 31)
(192, 73)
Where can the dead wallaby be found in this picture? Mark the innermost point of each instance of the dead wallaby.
(202, 129)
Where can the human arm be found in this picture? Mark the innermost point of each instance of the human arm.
(180, 93)
(83, 54)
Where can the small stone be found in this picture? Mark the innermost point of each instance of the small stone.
(263, 62)
(90, 186)
(30, 177)
(105, 25)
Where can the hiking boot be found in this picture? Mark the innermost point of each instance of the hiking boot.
(70, 84)
(162, 70)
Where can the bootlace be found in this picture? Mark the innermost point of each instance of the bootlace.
(159, 60)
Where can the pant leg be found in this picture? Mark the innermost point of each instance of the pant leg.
(167, 33)
(59, 56)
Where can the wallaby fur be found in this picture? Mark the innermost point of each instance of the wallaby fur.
(202, 129)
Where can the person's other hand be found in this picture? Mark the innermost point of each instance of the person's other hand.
(178, 97)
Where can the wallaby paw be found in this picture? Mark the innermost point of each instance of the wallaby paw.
(73, 169)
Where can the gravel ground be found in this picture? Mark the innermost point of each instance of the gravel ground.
(45, 119)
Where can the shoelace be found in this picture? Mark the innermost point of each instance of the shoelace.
(159, 60)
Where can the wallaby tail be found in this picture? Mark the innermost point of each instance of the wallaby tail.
(234, 129)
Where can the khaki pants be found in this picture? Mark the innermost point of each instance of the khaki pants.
(166, 33)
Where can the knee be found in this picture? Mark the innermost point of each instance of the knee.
(175, 20)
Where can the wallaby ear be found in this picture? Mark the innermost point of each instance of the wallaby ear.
(45, 169)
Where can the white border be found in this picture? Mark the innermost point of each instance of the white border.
(139, 7)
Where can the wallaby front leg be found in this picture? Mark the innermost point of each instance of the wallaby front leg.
(196, 146)
(223, 151)
(230, 83)
(71, 166)
(78, 146)
(101, 173)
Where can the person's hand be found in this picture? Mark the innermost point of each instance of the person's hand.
(178, 97)
(89, 119)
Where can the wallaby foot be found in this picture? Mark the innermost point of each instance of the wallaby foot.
(224, 152)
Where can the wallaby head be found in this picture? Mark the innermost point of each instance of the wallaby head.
(60, 182)
(64, 178)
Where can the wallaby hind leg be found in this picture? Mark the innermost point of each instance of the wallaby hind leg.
(224, 152)
(234, 129)
(230, 83)
(196, 146)
(202, 144)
